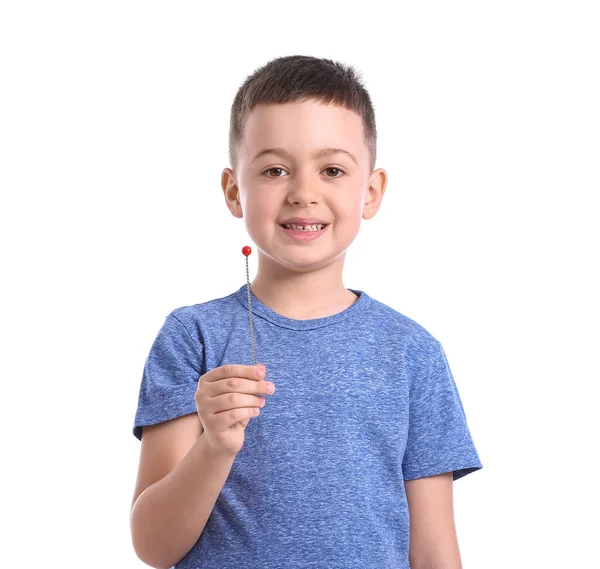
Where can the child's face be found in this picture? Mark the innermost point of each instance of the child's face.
(270, 188)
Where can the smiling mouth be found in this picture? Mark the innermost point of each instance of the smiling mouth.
(307, 228)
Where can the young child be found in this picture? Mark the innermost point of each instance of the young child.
(366, 425)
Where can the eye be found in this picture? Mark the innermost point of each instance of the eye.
(336, 169)
(271, 169)
(340, 173)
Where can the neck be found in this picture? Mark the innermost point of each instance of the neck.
(302, 293)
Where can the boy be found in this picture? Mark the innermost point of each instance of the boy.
(365, 425)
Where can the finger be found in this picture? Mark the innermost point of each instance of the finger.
(223, 421)
(257, 372)
(240, 385)
(228, 401)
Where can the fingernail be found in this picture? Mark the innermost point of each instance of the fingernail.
(270, 388)
(260, 372)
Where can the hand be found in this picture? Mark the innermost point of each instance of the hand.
(226, 400)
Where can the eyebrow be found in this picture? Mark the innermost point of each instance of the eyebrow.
(319, 154)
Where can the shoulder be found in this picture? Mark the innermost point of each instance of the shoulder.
(205, 308)
(405, 334)
(208, 315)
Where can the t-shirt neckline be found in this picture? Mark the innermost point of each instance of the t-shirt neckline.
(262, 310)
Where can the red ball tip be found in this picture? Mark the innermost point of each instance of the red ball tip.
(246, 250)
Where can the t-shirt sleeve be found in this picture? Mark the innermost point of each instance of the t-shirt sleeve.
(439, 439)
(170, 377)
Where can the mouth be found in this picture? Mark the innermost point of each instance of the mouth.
(304, 233)
(307, 228)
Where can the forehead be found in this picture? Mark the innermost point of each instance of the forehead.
(303, 124)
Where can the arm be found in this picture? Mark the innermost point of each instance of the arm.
(433, 540)
(179, 480)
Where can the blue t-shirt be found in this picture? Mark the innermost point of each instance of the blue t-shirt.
(365, 400)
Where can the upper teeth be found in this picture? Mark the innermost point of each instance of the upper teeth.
(304, 227)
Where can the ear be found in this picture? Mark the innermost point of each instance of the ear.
(375, 191)
(231, 192)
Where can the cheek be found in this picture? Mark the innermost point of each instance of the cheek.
(349, 213)
(261, 209)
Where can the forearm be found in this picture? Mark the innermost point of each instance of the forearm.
(442, 565)
(450, 560)
(169, 516)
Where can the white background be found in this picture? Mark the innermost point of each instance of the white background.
(113, 134)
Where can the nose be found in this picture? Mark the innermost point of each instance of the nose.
(303, 193)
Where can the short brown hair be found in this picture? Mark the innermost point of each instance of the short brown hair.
(297, 78)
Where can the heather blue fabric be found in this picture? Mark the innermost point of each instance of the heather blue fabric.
(365, 400)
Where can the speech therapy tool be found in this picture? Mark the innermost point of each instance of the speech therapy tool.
(246, 251)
